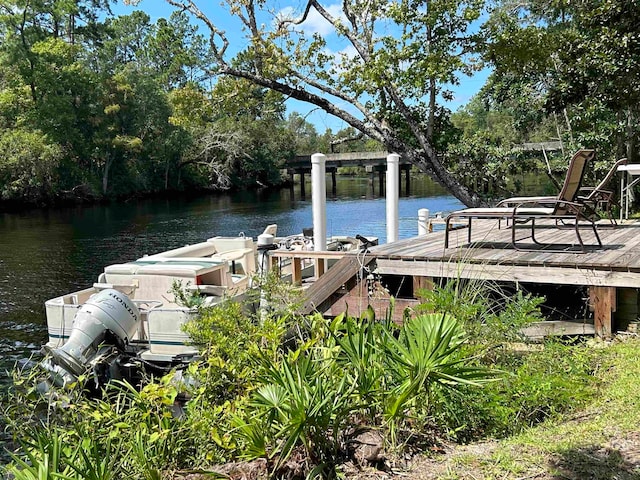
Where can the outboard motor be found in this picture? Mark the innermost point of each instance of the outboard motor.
(107, 317)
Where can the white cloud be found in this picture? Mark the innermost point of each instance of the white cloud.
(314, 23)
(349, 52)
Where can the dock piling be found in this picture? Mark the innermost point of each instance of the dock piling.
(423, 221)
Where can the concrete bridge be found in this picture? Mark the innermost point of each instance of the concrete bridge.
(375, 163)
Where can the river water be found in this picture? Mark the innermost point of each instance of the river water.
(45, 253)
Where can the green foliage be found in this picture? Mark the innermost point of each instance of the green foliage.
(302, 402)
(184, 296)
(540, 381)
(545, 381)
(491, 315)
(298, 395)
(122, 108)
(350, 375)
(28, 165)
(577, 62)
(129, 433)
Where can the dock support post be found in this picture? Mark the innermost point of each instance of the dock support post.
(370, 170)
(303, 193)
(265, 244)
(296, 271)
(423, 221)
(319, 203)
(422, 283)
(393, 195)
(407, 189)
(292, 184)
(334, 186)
(603, 303)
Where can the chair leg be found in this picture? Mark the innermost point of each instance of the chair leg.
(595, 232)
(447, 224)
(577, 228)
(612, 219)
(533, 232)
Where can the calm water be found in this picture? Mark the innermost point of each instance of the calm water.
(45, 253)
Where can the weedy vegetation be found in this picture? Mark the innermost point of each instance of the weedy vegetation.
(299, 394)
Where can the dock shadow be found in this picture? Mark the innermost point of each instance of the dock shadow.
(547, 247)
(595, 463)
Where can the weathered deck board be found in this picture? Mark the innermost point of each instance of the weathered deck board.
(491, 256)
(490, 252)
(325, 286)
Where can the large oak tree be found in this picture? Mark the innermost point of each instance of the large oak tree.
(397, 61)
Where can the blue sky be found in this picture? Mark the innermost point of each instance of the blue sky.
(156, 9)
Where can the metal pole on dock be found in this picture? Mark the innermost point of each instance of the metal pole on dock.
(319, 204)
(423, 221)
(393, 196)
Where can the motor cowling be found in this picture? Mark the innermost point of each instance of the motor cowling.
(107, 316)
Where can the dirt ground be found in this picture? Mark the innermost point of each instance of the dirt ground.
(619, 459)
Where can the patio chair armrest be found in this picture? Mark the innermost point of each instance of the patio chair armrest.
(574, 207)
(515, 201)
(600, 195)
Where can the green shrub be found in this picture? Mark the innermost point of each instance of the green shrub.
(543, 384)
(265, 389)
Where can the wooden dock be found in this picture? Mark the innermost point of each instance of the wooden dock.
(610, 274)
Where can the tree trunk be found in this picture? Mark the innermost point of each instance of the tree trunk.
(631, 144)
(105, 174)
(621, 138)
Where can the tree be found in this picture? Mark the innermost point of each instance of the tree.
(582, 60)
(398, 58)
(27, 165)
(24, 24)
(175, 51)
(306, 137)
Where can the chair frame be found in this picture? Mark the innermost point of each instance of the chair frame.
(592, 197)
(563, 208)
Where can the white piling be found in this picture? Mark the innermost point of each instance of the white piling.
(423, 221)
(319, 201)
(319, 206)
(393, 196)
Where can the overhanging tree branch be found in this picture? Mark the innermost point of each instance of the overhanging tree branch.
(386, 81)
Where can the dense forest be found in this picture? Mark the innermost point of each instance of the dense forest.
(94, 105)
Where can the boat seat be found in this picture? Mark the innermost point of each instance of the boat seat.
(122, 269)
(187, 270)
(242, 259)
(216, 290)
(202, 249)
(174, 261)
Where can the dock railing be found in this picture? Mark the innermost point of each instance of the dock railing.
(297, 257)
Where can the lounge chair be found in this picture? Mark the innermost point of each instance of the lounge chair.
(596, 199)
(565, 208)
